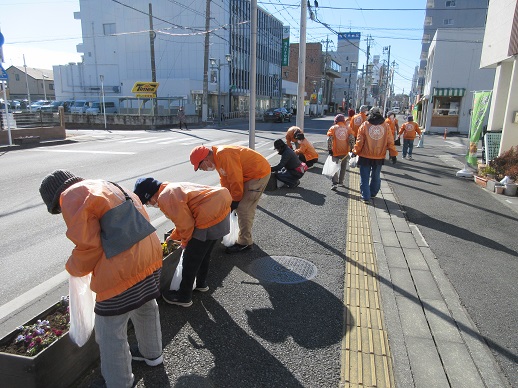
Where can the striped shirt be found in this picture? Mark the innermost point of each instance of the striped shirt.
(132, 298)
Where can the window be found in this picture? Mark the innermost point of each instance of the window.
(430, 4)
(17, 77)
(450, 3)
(51, 86)
(109, 28)
(427, 38)
(448, 22)
(428, 21)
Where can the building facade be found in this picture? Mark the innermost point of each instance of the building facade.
(123, 45)
(446, 14)
(452, 75)
(347, 55)
(37, 85)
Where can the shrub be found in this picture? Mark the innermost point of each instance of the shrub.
(506, 164)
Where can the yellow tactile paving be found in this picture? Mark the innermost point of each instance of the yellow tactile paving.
(366, 359)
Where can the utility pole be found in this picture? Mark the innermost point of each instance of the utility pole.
(302, 65)
(205, 96)
(253, 73)
(324, 75)
(152, 36)
(387, 79)
(366, 72)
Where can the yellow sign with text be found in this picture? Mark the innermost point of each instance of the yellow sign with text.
(145, 88)
(145, 95)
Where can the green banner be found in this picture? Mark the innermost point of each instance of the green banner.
(481, 102)
(285, 46)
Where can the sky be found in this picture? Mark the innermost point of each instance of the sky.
(46, 33)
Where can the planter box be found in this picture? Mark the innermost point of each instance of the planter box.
(59, 365)
(499, 189)
(482, 182)
(491, 183)
(510, 189)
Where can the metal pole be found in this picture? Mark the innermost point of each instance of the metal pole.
(27, 84)
(253, 73)
(301, 86)
(44, 90)
(152, 36)
(4, 86)
(219, 92)
(102, 94)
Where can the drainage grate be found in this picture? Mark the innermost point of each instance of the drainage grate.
(282, 269)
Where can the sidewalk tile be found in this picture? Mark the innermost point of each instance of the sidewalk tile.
(406, 240)
(413, 320)
(426, 365)
(443, 326)
(459, 365)
(425, 284)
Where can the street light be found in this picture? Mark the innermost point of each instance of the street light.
(216, 64)
(102, 94)
(44, 90)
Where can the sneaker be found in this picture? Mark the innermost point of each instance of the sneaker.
(404, 156)
(366, 201)
(236, 248)
(334, 186)
(201, 288)
(137, 356)
(410, 158)
(173, 297)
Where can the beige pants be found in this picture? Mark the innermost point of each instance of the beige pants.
(253, 190)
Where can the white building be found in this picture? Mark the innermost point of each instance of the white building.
(347, 54)
(452, 75)
(124, 45)
(500, 50)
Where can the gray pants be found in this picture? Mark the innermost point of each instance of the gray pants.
(111, 335)
(253, 189)
(338, 178)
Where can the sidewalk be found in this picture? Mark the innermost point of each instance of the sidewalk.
(334, 293)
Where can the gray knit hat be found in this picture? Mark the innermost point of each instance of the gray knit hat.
(53, 185)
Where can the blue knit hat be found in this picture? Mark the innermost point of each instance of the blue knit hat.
(145, 188)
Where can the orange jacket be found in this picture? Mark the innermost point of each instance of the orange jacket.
(409, 129)
(82, 205)
(373, 141)
(237, 165)
(393, 126)
(307, 149)
(340, 133)
(357, 121)
(190, 205)
(290, 135)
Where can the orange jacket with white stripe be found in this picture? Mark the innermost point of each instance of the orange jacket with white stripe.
(83, 205)
(373, 141)
(237, 165)
(190, 205)
(409, 130)
(307, 149)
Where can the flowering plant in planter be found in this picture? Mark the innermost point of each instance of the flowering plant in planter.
(506, 164)
(33, 338)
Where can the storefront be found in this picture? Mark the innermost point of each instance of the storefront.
(446, 107)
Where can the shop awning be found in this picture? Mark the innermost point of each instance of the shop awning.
(449, 92)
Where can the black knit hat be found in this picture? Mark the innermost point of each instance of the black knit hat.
(299, 136)
(145, 188)
(53, 185)
(279, 144)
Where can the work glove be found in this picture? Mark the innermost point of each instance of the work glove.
(234, 205)
(330, 152)
(394, 159)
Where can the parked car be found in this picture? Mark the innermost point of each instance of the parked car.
(36, 106)
(277, 114)
(396, 110)
(79, 106)
(96, 107)
(52, 107)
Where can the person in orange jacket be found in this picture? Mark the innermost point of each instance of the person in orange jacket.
(126, 280)
(306, 152)
(201, 216)
(393, 123)
(245, 173)
(340, 140)
(409, 130)
(373, 141)
(359, 119)
(290, 136)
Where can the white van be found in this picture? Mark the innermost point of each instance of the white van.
(96, 107)
(79, 106)
(396, 110)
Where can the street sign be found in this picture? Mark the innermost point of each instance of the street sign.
(3, 74)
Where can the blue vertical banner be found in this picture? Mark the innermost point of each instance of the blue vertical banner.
(1, 51)
(285, 45)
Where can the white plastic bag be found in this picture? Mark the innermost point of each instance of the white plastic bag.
(330, 167)
(82, 303)
(353, 162)
(231, 238)
(177, 277)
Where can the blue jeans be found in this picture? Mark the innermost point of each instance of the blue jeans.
(408, 145)
(370, 189)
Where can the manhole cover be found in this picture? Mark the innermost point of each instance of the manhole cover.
(282, 269)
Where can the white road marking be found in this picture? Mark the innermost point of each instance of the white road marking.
(135, 139)
(155, 140)
(84, 151)
(454, 144)
(172, 141)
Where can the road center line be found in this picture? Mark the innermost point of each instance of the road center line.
(84, 151)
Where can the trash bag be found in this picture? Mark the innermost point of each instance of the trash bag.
(82, 303)
(397, 141)
(177, 277)
(330, 167)
(231, 238)
(353, 162)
